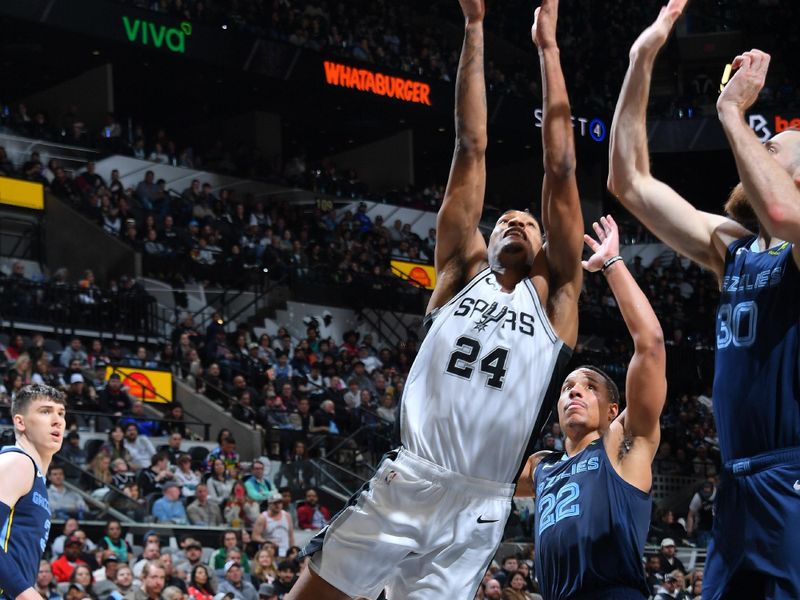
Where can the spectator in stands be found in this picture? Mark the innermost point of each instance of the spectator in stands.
(115, 445)
(259, 487)
(230, 541)
(699, 519)
(169, 508)
(64, 187)
(154, 478)
(508, 566)
(240, 511)
(264, 570)
(242, 409)
(312, 515)
(147, 192)
(99, 472)
(170, 578)
(275, 525)
(70, 526)
(653, 574)
(287, 577)
(140, 447)
(43, 374)
(175, 423)
(113, 540)
(81, 397)
(219, 482)
(226, 452)
(114, 400)
(82, 576)
(188, 478)
(202, 511)
(64, 503)
(121, 473)
(235, 583)
(669, 589)
(296, 471)
(124, 581)
(66, 563)
(45, 585)
(147, 427)
(72, 352)
(200, 585)
(105, 575)
(668, 527)
(151, 552)
(130, 503)
(301, 418)
(153, 576)
(173, 447)
(669, 561)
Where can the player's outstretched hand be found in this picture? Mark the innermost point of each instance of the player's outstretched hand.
(474, 10)
(606, 245)
(545, 19)
(748, 81)
(654, 37)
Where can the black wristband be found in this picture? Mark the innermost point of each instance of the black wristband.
(610, 262)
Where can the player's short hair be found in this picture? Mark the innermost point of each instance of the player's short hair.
(611, 387)
(35, 391)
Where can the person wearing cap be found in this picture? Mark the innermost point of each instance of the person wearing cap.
(258, 486)
(114, 400)
(105, 576)
(235, 582)
(81, 397)
(65, 564)
(169, 508)
(274, 525)
(266, 591)
(668, 589)
(669, 561)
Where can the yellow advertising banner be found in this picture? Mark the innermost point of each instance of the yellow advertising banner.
(25, 194)
(424, 275)
(148, 385)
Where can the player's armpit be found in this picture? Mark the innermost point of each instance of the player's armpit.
(524, 487)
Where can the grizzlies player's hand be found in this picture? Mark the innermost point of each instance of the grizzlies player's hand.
(605, 247)
(743, 89)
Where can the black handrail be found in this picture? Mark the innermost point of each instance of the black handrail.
(91, 413)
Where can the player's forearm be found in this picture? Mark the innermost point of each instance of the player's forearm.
(557, 136)
(470, 113)
(641, 320)
(629, 159)
(771, 191)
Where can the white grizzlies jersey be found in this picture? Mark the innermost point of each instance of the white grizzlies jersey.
(476, 390)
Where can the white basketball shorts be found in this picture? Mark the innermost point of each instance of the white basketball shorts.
(416, 529)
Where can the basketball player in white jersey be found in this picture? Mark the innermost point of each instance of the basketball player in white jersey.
(502, 320)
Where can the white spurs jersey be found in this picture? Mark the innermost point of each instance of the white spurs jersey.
(476, 390)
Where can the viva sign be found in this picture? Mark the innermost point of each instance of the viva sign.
(152, 34)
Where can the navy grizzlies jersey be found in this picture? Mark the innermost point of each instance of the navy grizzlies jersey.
(24, 534)
(756, 377)
(590, 526)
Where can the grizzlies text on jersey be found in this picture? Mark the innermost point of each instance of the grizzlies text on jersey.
(757, 374)
(476, 389)
(590, 527)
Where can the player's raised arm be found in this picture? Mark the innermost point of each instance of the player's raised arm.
(561, 206)
(769, 188)
(701, 236)
(460, 249)
(638, 426)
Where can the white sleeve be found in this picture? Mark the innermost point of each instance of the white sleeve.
(695, 504)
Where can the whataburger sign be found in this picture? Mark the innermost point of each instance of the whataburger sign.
(380, 84)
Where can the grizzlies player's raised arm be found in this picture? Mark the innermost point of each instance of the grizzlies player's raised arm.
(771, 191)
(16, 480)
(460, 249)
(561, 206)
(525, 480)
(703, 237)
(633, 437)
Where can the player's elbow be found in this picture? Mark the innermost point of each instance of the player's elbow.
(471, 145)
(560, 167)
(650, 343)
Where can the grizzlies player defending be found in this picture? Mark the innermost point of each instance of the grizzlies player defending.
(754, 548)
(502, 320)
(593, 500)
(38, 415)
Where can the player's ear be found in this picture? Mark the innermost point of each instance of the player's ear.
(613, 411)
(19, 422)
